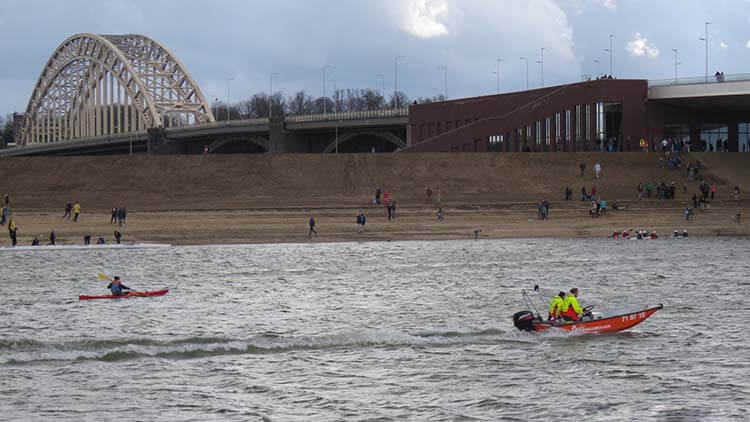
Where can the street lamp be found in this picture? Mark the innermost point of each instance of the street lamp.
(218, 104)
(610, 53)
(395, 81)
(270, 92)
(228, 98)
(597, 67)
(335, 99)
(382, 93)
(497, 72)
(675, 64)
(445, 69)
(542, 63)
(324, 87)
(706, 41)
(527, 71)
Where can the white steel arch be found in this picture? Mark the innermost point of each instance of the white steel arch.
(98, 85)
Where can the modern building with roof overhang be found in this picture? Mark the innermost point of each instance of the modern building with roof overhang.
(596, 115)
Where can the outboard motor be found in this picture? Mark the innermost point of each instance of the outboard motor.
(524, 320)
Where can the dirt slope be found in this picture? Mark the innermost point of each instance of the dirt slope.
(347, 180)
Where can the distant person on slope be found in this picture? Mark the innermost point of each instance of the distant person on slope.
(116, 287)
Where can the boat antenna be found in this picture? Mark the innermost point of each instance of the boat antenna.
(530, 303)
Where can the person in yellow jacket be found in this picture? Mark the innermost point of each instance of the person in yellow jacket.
(12, 228)
(555, 306)
(76, 211)
(571, 310)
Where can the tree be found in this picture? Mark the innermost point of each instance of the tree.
(299, 103)
(399, 100)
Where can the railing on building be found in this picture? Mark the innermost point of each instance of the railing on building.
(712, 79)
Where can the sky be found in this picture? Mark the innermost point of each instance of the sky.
(358, 40)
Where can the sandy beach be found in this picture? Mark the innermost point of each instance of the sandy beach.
(186, 200)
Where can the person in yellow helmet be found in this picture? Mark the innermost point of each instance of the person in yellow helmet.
(571, 310)
(555, 306)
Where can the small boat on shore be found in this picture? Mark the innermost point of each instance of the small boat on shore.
(150, 293)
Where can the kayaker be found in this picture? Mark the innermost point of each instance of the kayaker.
(571, 310)
(555, 306)
(116, 287)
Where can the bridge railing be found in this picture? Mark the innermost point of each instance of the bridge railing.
(221, 124)
(737, 77)
(87, 141)
(349, 115)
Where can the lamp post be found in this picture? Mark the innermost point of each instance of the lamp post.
(610, 53)
(270, 93)
(541, 61)
(395, 81)
(597, 67)
(527, 71)
(675, 64)
(228, 97)
(445, 69)
(324, 87)
(706, 41)
(218, 104)
(497, 72)
(382, 92)
(335, 96)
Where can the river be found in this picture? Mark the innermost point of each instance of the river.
(385, 331)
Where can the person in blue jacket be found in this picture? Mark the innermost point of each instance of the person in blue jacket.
(116, 287)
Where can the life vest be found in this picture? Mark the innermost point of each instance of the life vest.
(571, 308)
(115, 288)
(555, 307)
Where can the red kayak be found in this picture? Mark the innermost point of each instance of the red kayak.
(609, 322)
(127, 295)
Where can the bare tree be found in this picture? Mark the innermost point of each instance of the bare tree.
(299, 103)
(399, 100)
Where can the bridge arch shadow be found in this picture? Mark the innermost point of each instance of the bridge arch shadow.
(359, 142)
(239, 145)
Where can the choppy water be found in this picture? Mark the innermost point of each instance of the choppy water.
(374, 331)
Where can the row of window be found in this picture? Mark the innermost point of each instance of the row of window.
(575, 126)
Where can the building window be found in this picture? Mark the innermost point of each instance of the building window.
(601, 127)
(714, 137)
(578, 124)
(678, 134)
(528, 138)
(588, 122)
(519, 139)
(495, 143)
(547, 130)
(567, 126)
(743, 137)
(557, 129)
(538, 132)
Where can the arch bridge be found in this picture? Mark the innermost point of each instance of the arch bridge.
(99, 85)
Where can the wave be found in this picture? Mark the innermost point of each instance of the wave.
(24, 351)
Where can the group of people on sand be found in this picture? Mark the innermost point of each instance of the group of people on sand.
(565, 307)
(638, 234)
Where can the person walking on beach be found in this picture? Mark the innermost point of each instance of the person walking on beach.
(377, 196)
(68, 209)
(583, 168)
(4, 215)
(122, 215)
(76, 211)
(113, 217)
(312, 228)
(361, 220)
(100, 240)
(118, 236)
(52, 238)
(12, 229)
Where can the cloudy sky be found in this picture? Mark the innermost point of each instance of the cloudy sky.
(359, 39)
